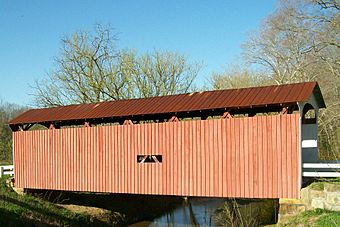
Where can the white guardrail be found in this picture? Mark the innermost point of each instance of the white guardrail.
(6, 170)
(321, 169)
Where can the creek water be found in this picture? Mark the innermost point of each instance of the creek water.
(195, 212)
(208, 212)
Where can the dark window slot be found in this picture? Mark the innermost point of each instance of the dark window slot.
(149, 158)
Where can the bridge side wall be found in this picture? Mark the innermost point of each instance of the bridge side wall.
(255, 157)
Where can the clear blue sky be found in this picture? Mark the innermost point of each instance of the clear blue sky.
(207, 31)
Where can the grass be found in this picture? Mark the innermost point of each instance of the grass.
(56, 208)
(131, 207)
(26, 210)
(320, 185)
(5, 163)
(318, 217)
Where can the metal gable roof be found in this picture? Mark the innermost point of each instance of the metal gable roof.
(207, 100)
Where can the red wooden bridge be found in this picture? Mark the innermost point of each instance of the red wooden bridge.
(244, 143)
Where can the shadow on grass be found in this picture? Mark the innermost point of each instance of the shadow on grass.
(35, 207)
(12, 219)
(16, 210)
(133, 207)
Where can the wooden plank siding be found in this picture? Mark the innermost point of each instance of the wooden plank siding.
(251, 157)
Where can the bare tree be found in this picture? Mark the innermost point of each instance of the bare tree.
(300, 42)
(164, 73)
(238, 77)
(90, 68)
(327, 4)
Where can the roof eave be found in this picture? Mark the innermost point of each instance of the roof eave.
(318, 95)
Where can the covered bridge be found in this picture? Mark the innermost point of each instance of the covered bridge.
(248, 142)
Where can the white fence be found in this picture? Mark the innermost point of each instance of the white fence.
(321, 169)
(6, 170)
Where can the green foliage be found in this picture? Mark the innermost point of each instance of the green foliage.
(7, 112)
(318, 217)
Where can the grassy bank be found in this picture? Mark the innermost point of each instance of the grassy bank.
(56, 208)
(26, 210)
(318, 217)
(128, 208)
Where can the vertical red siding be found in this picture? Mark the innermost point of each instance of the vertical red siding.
(253, 157)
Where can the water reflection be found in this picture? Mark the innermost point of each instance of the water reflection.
(193, 212)
(216, 212)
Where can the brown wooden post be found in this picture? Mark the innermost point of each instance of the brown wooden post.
(128, 122)
(284, 110)
(227, 115)
(51, 126)
(26, 127)
(174, 119)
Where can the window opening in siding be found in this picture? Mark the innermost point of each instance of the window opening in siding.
(309, 115)
(149, 158)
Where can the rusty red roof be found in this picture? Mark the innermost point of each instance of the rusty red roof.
(196, 101)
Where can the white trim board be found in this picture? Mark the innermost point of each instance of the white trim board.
(321, 174)
(321, 165)
(309, 143)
